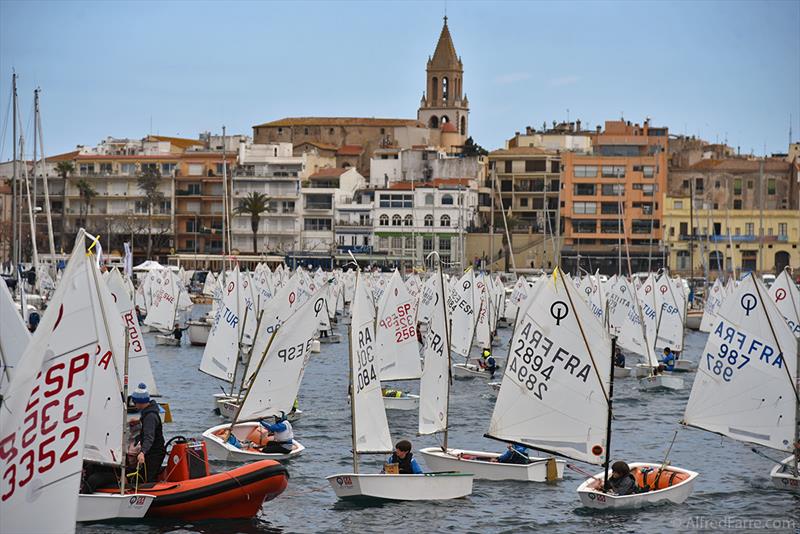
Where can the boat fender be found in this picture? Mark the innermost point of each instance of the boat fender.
(552, 470)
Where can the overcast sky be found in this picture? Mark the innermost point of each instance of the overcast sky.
(721, 70)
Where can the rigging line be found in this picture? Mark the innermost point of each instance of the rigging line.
(777, 343)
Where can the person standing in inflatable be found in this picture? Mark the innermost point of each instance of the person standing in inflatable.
(151, 435)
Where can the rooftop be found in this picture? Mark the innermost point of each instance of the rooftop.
(329, 172)
(522, 151)
(350, 150)
(340, 121)
(179, 142)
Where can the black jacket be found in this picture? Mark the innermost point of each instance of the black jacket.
(622, 486)
(151, 435)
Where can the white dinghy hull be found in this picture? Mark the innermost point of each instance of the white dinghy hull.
(662, 382)
(315, 346)
(676, 494)
(225, 451)
(469, 370)
(198, 332)
(426, 487)
(783, 478)
(622, 372)
(409, 401)
(105, 506)
(167, 340)
(684, 366)
(438, 460)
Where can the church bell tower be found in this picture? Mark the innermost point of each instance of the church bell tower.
(444, 100)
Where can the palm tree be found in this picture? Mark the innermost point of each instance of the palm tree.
(148, 182)
(64, 169)
(254, 205)
(87, 193)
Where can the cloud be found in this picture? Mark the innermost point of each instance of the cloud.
(512, 77)
(562, 81)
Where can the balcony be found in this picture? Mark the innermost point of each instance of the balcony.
(320, 206)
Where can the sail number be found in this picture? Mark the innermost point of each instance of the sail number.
(50, 431)
(529, 371)
(726, 360)
(402, 322)
(365, 358)
(295, 351)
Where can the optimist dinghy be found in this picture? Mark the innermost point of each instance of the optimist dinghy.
(666, 484)
(370, 429)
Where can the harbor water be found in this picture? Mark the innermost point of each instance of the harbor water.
(733, 490)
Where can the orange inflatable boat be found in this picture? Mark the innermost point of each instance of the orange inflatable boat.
(186, 489)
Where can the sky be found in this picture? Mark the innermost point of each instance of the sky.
(719, 70)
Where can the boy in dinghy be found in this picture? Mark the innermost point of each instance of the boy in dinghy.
(516, 454)
(621, 482)
(403, 457)
(669, 359)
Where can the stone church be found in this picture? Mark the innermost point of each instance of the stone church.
(442, 119)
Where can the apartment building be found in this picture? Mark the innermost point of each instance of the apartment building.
(611, 200)
(734, 213)
(321, 194)
(199, 200)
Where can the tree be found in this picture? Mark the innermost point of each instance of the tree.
(254, 205)
(148, 181)
(471, 148)
(87, 193)
(64, 169)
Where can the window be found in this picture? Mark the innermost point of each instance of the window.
(444, 244)
(396, 220)
(167, 169)
(769, 231)
(698, 185)
(427, 244)
(409, 242)
(383, 220)
(409, 220)
(584, 226)
(584, 208)
(151, 167)
(639, 226)
(140, 206)
(646, 207)
(771, 188)
(738, 231)
(613, 171)
(610, 208)
(383, 243)
(648, 171)
(191, 225)
(317, 225)
(750, 184)
(305, 131)
(396, 201)
(672, 231)
(429, 220)
(86, 168)
(445, 220)
(505, 185)
(508, 166)
(737, 186)
(584, 190)
(683, 259)
(685, 185)
(195, 169)
(194, 189)
(165, 206)
(737, 203)
(677, 204)
(610, 226)
(330, 131)
(106, 168)
(523, 202)
(397, 243)
(535, 165)
(287, 206)
(555, 166)
(613, 190)
(585, 171)
(684, 229)
(646, 189)
(445, 89)
(447, 200)
(782, 229)
(749, 229)
(429, 199)
(127, 169)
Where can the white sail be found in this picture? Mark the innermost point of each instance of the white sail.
(625, 320)
(221, 353)
(434, 385)
(482, 300)
(279, 371)
(371, 427)
(518, 296)
(104, 428)
(14, 337)
(161, 312)
(42, 463)
(247, 307)
(670, 313)
(461, 310)
(426, 300)
(275, 312)
(649, 305)
(209, 284)
(787, 298)
(713, 302)
(139, 369)
(396, 341)
(555, 386)
(744, 387)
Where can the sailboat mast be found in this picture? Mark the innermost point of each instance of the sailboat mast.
(610, 401)
(125, 429)
(15, 190)
(449, 360)
(352, 394)
(43, 170)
